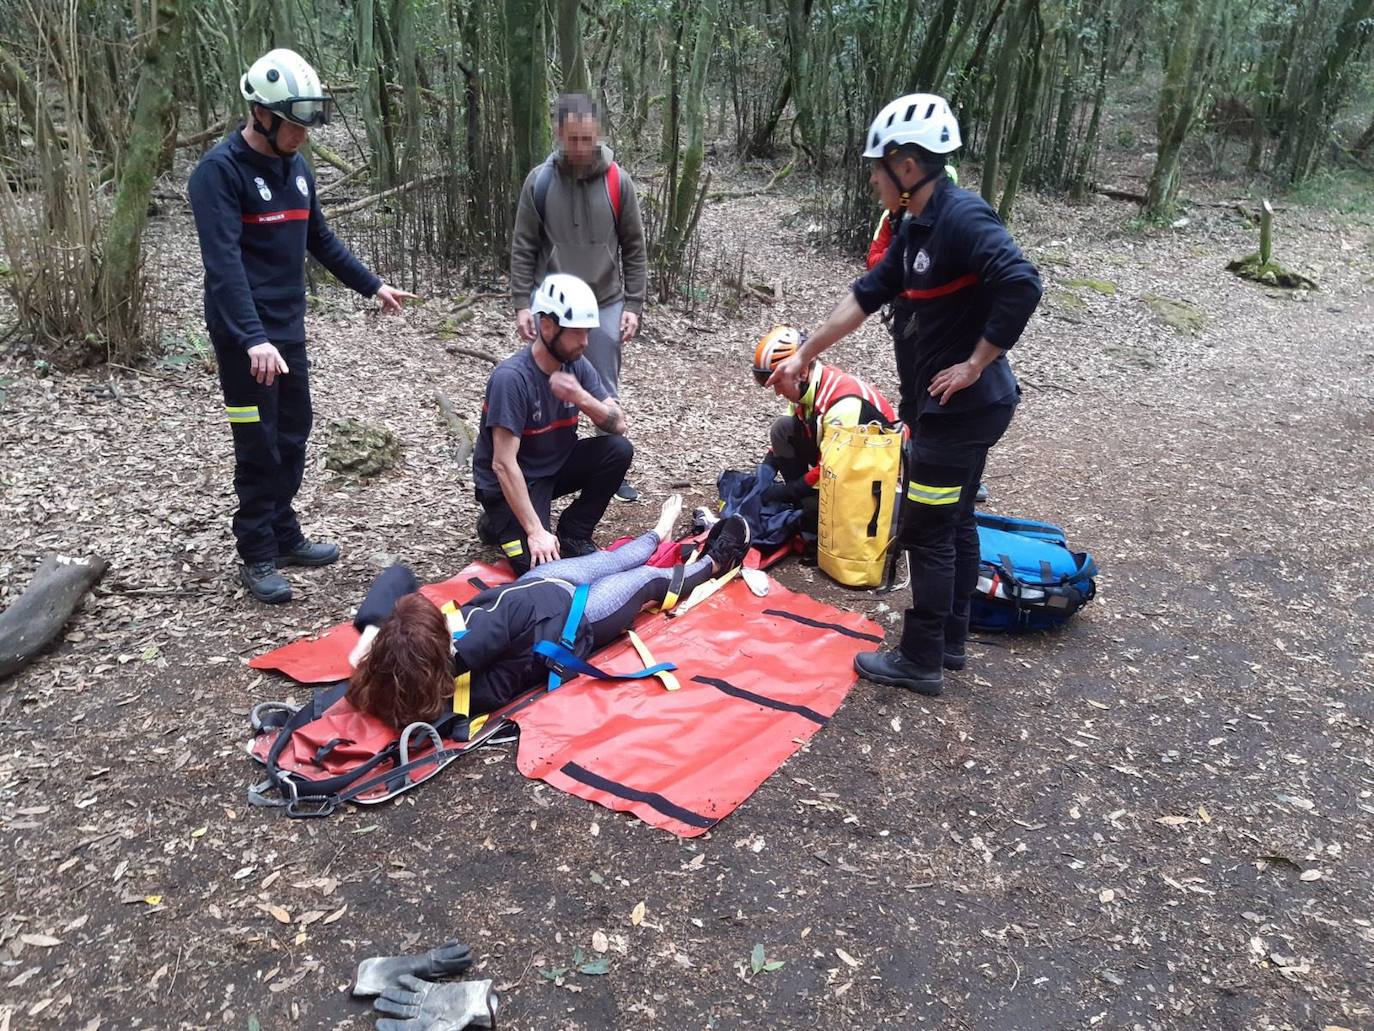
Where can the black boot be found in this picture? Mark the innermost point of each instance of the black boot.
(264, 583)
(956, 660)
(894, 668)
(309, 554)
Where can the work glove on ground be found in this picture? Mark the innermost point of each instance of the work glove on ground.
(426, 1006)
(377, 974)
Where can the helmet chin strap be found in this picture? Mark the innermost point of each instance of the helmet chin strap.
(907, 192)
(552, 346)
(271, 134)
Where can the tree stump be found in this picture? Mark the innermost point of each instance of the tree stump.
(39, 614)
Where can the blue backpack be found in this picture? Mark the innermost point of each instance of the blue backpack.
(771, 523)
(1028, 578)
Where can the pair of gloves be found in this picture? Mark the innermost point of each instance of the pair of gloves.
(411, 1002)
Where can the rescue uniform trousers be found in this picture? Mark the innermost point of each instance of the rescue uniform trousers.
(944, 465)
(594, 468)
(270, 425)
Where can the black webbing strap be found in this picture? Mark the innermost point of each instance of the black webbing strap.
(650, 798)
(857, 634)
(725, 687)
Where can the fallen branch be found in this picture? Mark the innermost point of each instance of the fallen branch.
(367, 202)
(456, 426)
(778, 176)
(205, 135)
(471, 352)
(325, 191)
(38, 615)
(333, 158)
(490, 295)
(1116, 193)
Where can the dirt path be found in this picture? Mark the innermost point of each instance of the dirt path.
(1160, 818)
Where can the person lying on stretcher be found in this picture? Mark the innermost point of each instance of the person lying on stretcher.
(412, 659)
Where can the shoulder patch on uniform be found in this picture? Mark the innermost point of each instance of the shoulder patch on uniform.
(302, 186)
(263, 191)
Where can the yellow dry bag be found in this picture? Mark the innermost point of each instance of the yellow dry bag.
(860, 472)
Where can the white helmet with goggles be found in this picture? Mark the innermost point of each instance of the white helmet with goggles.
(284, 82)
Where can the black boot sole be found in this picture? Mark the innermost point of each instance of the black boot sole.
(955, 662)
(930, 689)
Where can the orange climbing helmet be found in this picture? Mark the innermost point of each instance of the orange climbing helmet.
(774, 348)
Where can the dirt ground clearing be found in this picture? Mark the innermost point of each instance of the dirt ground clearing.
(1161, 817)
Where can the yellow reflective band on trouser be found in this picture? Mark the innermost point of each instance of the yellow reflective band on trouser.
(924, 494)
(242, 413)
(513, 549)
(462, 694)
(670, 682)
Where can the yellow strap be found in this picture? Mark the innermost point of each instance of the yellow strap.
(475, 725)
(704, 591)
(670, 682)
(669, 600)
(462, 684)
(462, 694)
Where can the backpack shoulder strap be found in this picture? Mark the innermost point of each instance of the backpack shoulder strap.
(542, 181)
(613, 191)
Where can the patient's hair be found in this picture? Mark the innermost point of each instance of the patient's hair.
(407, 675)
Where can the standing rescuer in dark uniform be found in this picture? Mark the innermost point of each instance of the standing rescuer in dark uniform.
(971, 293)
(257, 214)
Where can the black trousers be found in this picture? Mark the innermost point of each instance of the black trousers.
(594, 469)
(945, 460)
(270, 427)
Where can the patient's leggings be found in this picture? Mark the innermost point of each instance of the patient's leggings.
(621, 584)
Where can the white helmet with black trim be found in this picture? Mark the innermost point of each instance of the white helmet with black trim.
(284, 82)
(569, 300)
(920, 118)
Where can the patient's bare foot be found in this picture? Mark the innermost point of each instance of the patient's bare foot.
(667, 516)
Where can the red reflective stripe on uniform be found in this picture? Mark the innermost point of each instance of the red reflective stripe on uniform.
(952, 287)
(290, 215)
(558, 425)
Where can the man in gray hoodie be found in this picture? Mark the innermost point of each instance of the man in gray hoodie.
(578, 214)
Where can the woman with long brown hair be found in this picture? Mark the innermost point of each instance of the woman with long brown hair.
(410, 660)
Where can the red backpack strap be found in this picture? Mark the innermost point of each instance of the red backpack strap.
(613, 190)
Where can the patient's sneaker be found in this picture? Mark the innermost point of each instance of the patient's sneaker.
(575, 547)
(703, 519)
(728, 542)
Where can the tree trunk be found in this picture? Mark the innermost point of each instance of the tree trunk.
(371, 90)
(1323, 97)
(1006, 73)
(38, 615)
(799, 74)
(927, 62)
(1184, 82)
(123, 252)
(1028, 99)
(570, 58)
(529, 93)
(684, 195)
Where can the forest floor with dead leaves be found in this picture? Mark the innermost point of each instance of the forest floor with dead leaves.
(1160, 817)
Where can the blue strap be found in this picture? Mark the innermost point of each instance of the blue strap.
(563, 660)
(568, 636)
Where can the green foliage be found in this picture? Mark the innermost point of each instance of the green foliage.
(1349, 191)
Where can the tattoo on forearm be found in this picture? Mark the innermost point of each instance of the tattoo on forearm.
(611, 422)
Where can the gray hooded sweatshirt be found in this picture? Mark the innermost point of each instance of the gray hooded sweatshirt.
(580, 235)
